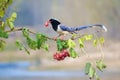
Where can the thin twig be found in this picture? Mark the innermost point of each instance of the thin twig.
(78, 37)
(14, 30)
(101, 50)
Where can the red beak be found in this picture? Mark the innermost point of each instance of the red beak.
(47, 23)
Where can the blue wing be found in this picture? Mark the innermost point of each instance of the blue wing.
(65, 28)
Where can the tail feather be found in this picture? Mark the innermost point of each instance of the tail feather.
(105, 29)
(91, 26)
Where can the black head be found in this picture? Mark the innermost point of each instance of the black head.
(54, 23)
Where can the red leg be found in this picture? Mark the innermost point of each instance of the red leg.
(55, 38)
(62, 37)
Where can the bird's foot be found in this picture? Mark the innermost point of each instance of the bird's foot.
(55, 38)
(62, 37)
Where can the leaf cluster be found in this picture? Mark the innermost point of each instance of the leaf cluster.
(4, 4)
(67, 44)
(91, 71)
(6, 22)
(33, 43)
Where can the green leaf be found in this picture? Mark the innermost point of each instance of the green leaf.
(2, 45)
(41, 39)
(3, 34)
(100, 65)
(2, 12)
(14, 16)
(5, 3)
(62, 44)
(45, 46)
(25, 32)
(97, 77)
(11, 19)
(102, 40)
(10, 24)
(81, 42)
(38, 40)
(2, 25)
(31, 43)
(59, 45)
(9, 2)
(91, 72)
(73, 36)
(88, 37)
(87, 67)
(95, 42)
(65, 44)
(73, 53)
(19, 45)
(71, 43)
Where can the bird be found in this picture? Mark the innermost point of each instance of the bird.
(63, 30)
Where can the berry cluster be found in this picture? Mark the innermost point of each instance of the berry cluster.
(62, 55)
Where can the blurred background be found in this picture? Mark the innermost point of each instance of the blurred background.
(16, 65)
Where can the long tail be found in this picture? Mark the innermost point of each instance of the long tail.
(91, 26)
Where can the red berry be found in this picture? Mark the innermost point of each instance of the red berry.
(46, 23)
(58, 57)
(62, 56)
(54, 56)
(66, 53)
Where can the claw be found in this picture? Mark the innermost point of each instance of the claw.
(62, 37)
(55, 38)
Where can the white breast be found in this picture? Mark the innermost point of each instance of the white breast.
(60, 31)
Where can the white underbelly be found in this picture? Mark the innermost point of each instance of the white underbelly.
(62, 32)
(59, 31)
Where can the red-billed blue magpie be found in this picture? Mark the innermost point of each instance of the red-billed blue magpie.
(62, 30)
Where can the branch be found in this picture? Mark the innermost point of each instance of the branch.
(13, 30)
(20, 29)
